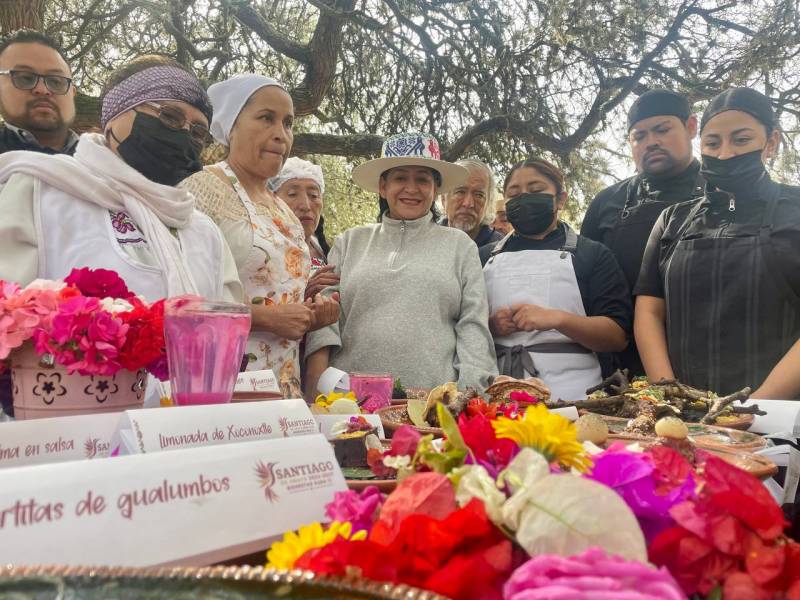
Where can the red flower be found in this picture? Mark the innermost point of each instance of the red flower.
(362, 558)
(671, 468)
(479, 436)
(145, 344)
(462, 556)
(99, 283)
(429, 494)
(730, 535)
(478, 406)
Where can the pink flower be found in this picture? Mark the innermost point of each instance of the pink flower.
(592, 574)
(359, 509)
(21, 313)
(635, 477)
(83, 337)
(522, 397)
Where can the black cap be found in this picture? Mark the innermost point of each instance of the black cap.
(745, 99)
(657, 103)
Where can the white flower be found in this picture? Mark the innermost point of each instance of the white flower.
(397, 462)
(565, 515)
(475, 482)
(46, 284)
(115, 305)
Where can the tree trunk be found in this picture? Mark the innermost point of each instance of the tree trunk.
(16, 14)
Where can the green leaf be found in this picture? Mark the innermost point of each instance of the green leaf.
(450, 428)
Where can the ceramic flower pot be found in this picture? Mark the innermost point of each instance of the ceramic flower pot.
(42, 389)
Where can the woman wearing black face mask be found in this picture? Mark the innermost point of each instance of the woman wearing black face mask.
(555, 298)
(113, 204)
(718, 297)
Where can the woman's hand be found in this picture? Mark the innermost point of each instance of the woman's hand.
(290, 321)
(319, 280)
(532, 317)
(326, 310)
(501, 323)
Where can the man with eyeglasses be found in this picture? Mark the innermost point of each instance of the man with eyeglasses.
(467, 207)
(37, 97)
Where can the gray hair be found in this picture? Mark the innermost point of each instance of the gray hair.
(477, 165)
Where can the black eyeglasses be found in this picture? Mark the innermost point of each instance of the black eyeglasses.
(27, 80)
(175, 119)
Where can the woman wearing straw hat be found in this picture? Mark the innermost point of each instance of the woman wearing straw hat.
(412, 296)
(253, 118)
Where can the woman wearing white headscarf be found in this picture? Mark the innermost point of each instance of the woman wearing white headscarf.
(114, 205)
(253, 118)
(302, 186)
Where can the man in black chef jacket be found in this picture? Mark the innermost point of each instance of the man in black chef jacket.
(660, 131)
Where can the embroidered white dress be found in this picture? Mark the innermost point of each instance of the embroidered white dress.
(272, 257)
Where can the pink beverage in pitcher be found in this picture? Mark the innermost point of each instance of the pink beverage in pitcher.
(372, 391)
(205, 345)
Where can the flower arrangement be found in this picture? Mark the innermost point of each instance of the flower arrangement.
(510, 505)
(89, 323)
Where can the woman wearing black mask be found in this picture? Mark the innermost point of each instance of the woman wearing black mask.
(718, 297)
(113, 204)
(555, 298)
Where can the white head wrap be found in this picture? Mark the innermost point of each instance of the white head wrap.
(297, 168)
(229, 97)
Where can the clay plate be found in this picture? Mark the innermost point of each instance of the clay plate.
(705, 436)
(740, 422)
(394, 417)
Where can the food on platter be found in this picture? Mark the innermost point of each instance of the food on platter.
(398, 389)
(591, 428)
(353, 439)
(672, 432)
(503, 386)
(644, 402)
(336, 403)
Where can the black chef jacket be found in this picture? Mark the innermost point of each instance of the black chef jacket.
(640, 199)
(729, 270)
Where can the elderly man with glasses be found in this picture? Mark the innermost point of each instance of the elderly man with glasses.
(467, 206)
(37, 98)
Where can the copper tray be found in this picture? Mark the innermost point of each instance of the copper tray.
(394, 417)
(209, 583)
(705, 436)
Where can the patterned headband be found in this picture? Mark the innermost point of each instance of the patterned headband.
(152, 85)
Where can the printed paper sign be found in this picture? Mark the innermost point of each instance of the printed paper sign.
(325, 423)
(39, 441)
(257, 381)
(158, 429)
(783, 416)
(199, 507)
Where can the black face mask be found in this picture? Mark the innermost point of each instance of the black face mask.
(161, 154)
(531, 213)
(734, 174)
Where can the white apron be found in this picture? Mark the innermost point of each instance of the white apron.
(276, 270)
(545, 278)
